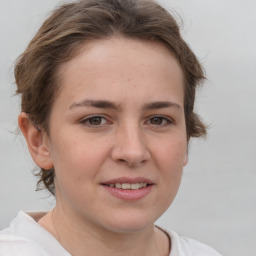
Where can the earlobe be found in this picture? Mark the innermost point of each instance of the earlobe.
(36, 141)
(185, 160)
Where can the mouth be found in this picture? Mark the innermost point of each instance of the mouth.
(126, 186)
(129, 189)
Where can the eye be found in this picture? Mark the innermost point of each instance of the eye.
(94, 121)
(160, 121)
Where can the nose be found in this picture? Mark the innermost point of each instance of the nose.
(130, 147)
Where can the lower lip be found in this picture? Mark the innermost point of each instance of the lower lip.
(129, 194)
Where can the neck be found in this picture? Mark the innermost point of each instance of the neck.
(80, 238)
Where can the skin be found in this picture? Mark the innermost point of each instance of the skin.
(89, 144)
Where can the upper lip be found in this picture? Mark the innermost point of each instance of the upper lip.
(128, 180)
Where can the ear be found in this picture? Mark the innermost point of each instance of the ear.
(37, 141)
(185, 160)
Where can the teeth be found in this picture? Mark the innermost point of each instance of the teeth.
(128, 185)
(118, 185)
(135, 186)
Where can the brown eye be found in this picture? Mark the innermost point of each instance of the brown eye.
(95, 120)
(156, 120)
(159, 121)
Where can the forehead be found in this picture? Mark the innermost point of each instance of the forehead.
(120, 49)
(120, 63)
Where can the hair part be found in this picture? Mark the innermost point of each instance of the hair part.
(74, 24)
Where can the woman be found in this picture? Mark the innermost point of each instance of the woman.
(108, 90)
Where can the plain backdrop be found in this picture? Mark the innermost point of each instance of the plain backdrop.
(216, 203)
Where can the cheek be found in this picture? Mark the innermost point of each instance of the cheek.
(170, 160)
(172, 152)
(76, 150)
(76, 166)
(75, 160)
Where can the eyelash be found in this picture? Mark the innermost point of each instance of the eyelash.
(87, 120)
(165, 121)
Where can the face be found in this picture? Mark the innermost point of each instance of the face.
(117, 136)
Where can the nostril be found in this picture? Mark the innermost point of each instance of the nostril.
(131, 163)
(130, 154)
(122, 161)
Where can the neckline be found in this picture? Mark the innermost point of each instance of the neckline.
(36, 216)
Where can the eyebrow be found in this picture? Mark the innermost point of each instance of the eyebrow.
(161, 104)
(94, 103)
(105, 104)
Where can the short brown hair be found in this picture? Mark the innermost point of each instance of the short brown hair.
(73, 24)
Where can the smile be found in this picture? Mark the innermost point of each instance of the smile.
(129, 189)
(132, 186)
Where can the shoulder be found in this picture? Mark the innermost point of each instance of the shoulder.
(183, 246)
(196, 248)
(13, 241)
(25, 237)
(19, 246)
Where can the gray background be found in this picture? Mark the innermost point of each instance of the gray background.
(216, 203)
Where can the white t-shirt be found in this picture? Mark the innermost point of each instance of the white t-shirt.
(25, 237)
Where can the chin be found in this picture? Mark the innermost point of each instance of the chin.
(129, 223)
